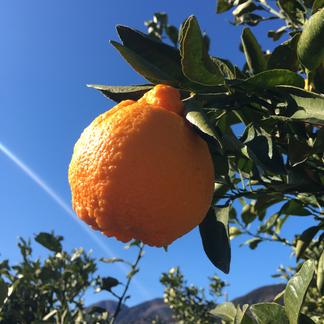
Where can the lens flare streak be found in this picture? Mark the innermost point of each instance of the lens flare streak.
(60, 202)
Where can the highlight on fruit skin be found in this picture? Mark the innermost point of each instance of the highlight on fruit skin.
(140, 171)
(310, 48)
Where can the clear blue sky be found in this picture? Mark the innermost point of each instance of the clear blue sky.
(49, 51)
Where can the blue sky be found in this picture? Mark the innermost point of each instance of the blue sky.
(49, 51)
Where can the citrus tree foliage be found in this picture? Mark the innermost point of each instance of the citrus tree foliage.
(190, 304)
(300, 302)
(52, 290)
(263, 121)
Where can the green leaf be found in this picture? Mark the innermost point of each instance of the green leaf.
(214, 235)
(266, 313)
(318, 4)
(223, 5)
(276, 34)
(303, 319)
(111, 260)
(318, 79)
(293, 10)
(320, 274)
(264, 155)
(272, 78)
(304, 240)
(293, 207)
(3, 292)
(149, 71)
(285, 55)
(310, 48)
(108, 283)
(197, 117)
(304, 106)
(196, 64)
(241, 316)
(225, 311)
(120, 93)
(253, 52)
(253, 243)
(248, 214)
(298, 150)
(296, 290)
(49, 241)
(162, 56)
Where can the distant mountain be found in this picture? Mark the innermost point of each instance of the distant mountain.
(259, 295)
(145, 312)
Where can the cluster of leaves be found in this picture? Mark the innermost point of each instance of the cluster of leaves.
(263, 128)
(51, 291)
(251, 12)
(189, 303)
(300, 302)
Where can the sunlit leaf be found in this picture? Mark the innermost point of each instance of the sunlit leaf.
(296, 290)
(225, 311)
(265, 313)
(320, 274)
(196, 63)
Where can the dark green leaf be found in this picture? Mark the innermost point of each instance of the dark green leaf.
(242, 316)
(285, 55)
(108, 283)
(318, 4)
(293, 207)
(303, 319)
(266, 313)
(196, 63)
(149, 71)
(298, 151)
(119, 93)
(253, 52)
(304, 105)
(248, 214)
(50, 241)
(223, 5)
(214, 235)
(296, 290)
(272, 78)
(164, 57)
(320, 274)
(266, 200)
(264, 155)
(173, 34)
(276, 34)
(304, 240)
(253, 243)
(3, 292)
(318, 79)
(225, 311)
(293, 10)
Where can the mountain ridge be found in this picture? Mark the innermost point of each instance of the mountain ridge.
(147, 311)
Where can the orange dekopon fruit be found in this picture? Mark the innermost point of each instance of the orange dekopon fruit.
(139, 171)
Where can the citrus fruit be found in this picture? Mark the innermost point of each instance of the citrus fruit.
(310, 49)
(139, 171)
